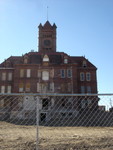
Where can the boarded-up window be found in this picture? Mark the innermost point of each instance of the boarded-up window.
(3, 76)
(28, 73)
(9, 89)
(45, 75)
(27, 87)
(21, 73)
(2, 89)
(21, 87)
(10, 76)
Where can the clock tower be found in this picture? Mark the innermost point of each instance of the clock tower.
(47, 38)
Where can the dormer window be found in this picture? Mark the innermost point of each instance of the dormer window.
(65, 60)
(45, 58)
(84, 64)
(25, 59)
(8, 63)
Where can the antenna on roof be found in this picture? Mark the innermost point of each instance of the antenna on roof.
(47, 12)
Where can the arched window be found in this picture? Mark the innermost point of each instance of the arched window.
(84, 64)
(65, 60)
(45, 58)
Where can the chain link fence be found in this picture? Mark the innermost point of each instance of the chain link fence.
(56, 122)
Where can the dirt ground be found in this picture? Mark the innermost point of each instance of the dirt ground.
(20, 137)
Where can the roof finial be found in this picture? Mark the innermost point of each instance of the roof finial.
(47, 13)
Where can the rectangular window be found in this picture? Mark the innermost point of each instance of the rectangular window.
(27, 87)
(82, 78)
(8, 89)
(21, 87)
(69, 73)
(62, 71)
(28, 73)
(69, 88)
(88, 76)
(52, 73)
(38, 87)
(2, 89)
(45, 75)
(88, 89)
(10, 76)
(82, 89)
(21, 73)
(39, 73)
(3, 76)
(52, 87)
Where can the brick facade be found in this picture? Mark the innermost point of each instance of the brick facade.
(47, 71)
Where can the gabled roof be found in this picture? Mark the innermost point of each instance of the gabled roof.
(12, 61)
(79, 60)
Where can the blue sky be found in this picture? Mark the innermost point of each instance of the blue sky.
(84, 27)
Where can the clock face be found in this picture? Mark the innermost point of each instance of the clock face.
(47, 42)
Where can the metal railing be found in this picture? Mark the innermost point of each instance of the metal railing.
(56, 121)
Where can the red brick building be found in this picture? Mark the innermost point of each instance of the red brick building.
(46, 70)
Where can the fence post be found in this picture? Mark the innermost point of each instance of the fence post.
(37, 122)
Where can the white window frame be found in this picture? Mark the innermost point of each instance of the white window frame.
(88, 76)
(28, 73)
(82, 76)
(45, 75)
(69, 73)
